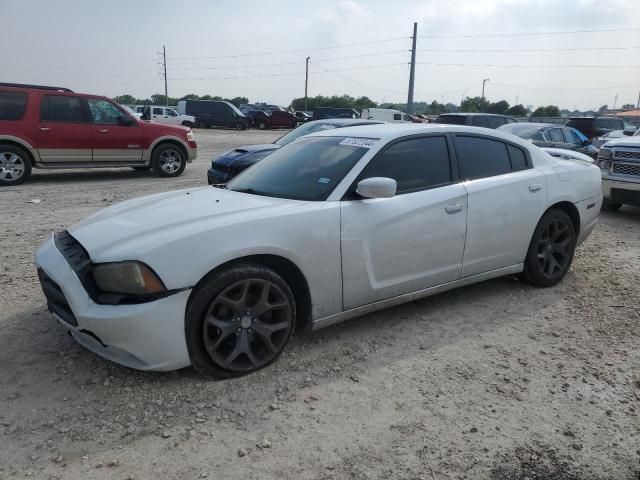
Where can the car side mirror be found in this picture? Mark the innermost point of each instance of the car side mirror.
(629, 131)
(586, 142)
(125, 121)
(377, 187)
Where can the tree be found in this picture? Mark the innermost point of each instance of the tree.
(518, 111)
(603, 108)
(435, 108)
(343, 101)
(548, 111)
(126, 99)
(473, 105)
(237, 101)
(500, 107)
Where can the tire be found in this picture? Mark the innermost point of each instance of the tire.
(240, 126)
(551, 250)
(15, 165)
(228, 344)
(187, 124)
(168, 160)
(609, 206)
(262, 125)
(201, 125)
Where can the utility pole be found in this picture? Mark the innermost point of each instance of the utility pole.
(615, 101)
(412, 72)
(164, 66)
(638, 104)
(306, 83)
(484, 80)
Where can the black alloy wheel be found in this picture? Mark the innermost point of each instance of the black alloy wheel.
(239, 321)
(551, 250)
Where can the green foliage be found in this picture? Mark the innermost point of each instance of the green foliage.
(344, 101)
(435, 108)
(159, 99)
(548, 111)
(474, 105)
(518, 111)
(501, 107)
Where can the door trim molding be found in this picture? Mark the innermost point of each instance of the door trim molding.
(409, 297)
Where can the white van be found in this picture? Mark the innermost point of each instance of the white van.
(385, 115)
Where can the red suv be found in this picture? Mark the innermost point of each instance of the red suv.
(51, 127)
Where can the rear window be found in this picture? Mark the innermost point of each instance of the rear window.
(579, 123)
(451, 119)
(12, 105)
(526, 131)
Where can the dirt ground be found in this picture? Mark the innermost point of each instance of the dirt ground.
(497, 380)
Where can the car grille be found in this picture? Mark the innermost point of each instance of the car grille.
(56, 301)
(78, 259)
(626, 154)
(626, 169)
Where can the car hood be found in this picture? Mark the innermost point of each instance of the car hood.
(165, 128)
(238, 153)
(624, 142)
(124, 231)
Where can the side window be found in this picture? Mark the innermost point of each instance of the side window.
(103, 112)
(518, 158)
(617, 124)
(12, 105)
(495, 122)
(59, 108)
(481, 157)
(169, 112)
(555, 134)
(157, 111)
(480, 121)
(416, 164)
(397, 116)
(571, 137)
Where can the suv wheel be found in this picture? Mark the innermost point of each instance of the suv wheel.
(551, 250)
(240, 126)
(168, 160)
(15, 165)
(609, 206)
(239, 321)
(262, 125)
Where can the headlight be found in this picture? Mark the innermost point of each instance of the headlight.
(191, 137)
(604, 164)
(604, 153)
(127, 278)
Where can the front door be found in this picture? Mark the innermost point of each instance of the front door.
(506, 198)
(64, 133)
(412, 241)
(113, 142)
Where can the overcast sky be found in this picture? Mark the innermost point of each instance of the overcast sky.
(257, 48)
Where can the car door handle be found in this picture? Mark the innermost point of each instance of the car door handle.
(455, 208)
(44, 129)
(535, 187)
(103, 130)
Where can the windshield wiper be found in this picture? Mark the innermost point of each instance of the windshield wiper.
(252, 191)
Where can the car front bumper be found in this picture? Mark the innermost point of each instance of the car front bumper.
(145, 336)
(192, 153)
(216, 176)
(620, 191)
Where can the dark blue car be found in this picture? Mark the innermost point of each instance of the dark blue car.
(231, 163)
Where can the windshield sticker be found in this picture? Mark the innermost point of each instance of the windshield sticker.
(359, 142)
(324, 180)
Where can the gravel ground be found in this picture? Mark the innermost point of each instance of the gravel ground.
(497, 380)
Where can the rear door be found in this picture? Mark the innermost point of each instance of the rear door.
(64, 130)
(412, 241)
(157, 114)
(506, 198)
(572, 140)
(556, 136)
(112, 141)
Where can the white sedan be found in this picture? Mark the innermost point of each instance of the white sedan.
(331, 226)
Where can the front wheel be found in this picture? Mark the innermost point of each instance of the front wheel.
(551, 250)
(609, 206)
(240, 126)
(15, 165)
(239, 321)
(169, 160)
(262, 125)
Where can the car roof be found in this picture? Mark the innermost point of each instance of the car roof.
(536, 124)
(347, 121)
(390, 131)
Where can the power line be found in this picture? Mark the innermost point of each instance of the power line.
(524, 66)
(356, 81)
(330, 47)
(532, 34)
(565, 89)
(524, 50)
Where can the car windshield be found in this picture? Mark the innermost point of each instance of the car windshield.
(523, 131)
(235, 109)
(303, 130)
(308, 169)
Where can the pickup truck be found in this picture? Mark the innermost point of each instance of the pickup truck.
(619, 161)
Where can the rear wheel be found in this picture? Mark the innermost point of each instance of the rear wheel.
(609, 206)
(169, 160)
(262, 125)
(551, 250)
(15, 165)
(239, 321)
